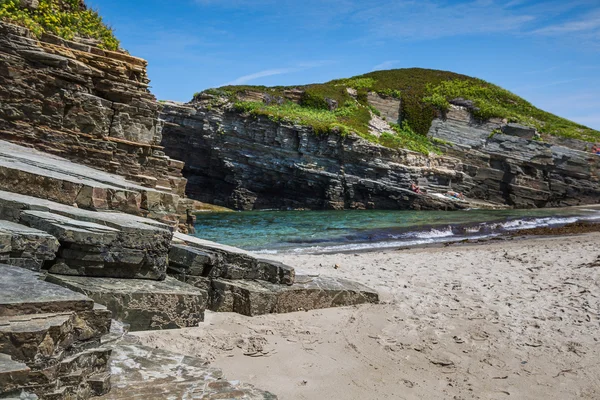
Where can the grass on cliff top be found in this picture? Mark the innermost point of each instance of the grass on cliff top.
(350, 117)
(64, 18)
(424, 94)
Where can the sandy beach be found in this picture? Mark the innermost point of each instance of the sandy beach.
(510, 319)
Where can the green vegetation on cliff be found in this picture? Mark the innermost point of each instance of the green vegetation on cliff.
(64, 18)
(424, 94)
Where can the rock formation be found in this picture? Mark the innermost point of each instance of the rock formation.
(92, 106)
(138, 271)
(247, 163)
(505, 164)
(252, 162)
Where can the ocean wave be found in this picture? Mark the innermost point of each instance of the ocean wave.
(429, 235)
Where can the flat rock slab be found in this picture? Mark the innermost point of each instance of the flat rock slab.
(22, 292)
(143, 304)
(308, 293)
(103, 244)
(13, 374)
(197, 257)
(31, 172)
(140, 372)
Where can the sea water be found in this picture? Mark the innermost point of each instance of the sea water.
(272, 232)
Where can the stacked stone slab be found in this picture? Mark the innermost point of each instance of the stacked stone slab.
(84, 103)
(26, 247)
(50, 339)
(237, 281)
(119, 260)
(30, 172)
(504, 164)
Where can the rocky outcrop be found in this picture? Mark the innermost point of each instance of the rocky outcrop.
(251, 162)
(247, 163)
(50, 339)
(505, 164)
(237, 281)
(83, 103)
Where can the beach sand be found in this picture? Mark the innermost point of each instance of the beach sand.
(510, 319)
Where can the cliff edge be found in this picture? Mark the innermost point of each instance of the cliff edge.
(363, 142)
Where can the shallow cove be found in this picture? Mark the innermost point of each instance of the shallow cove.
(273, 232)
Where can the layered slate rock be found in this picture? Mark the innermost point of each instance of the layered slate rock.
(30, 172)
(84, 103)
(198, 257)
(509, 167)
(237, 281)
(26, 247)
(50, 338)
(251, 162)
(94, 243)
(143, 304)
(147, 373)
(308, 293)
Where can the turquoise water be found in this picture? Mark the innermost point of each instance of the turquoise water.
(330, 231)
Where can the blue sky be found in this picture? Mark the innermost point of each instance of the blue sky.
(545, 51)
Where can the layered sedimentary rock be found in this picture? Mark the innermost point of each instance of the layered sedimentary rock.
(92, 243)
(143, 304)
(34, 173)
(248, 163)
(83, 103)
(512, 164)
(50, 339)
(237, 281)
(26, 247)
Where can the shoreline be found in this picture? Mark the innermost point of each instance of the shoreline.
(489, 320)
(568, 230)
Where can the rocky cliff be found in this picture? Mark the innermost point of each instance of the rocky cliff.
(74, 99)
(512, 164)
(247, 162)
(244, 159)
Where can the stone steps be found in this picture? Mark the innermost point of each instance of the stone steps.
(253, 298)
(30, 172)
(214, 260)
(237, 281)
(94, 243)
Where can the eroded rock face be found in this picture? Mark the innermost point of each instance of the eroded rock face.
(83, 103)
(254, 163)
(511, 168)
(50, 339)
(247, 162)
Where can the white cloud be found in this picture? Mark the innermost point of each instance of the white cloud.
(385, 65)
(261, 74)
(279, 71)
(587, 23)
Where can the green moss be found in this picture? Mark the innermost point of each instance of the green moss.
(407, 138)
(423, 93)
(493, 101)
(64, 18)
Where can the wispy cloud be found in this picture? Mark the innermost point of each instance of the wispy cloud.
(302, 66)
(587, 23)
(262, 74)
(385, 65)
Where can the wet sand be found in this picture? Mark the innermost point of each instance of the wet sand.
(508, 319)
